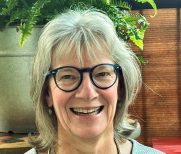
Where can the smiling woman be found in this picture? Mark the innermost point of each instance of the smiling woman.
(84, 79)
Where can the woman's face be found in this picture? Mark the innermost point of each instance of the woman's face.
(69, 106)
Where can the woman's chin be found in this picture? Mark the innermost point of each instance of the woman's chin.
(88, 133)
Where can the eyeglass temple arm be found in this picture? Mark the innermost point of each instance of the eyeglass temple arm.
(49, 73)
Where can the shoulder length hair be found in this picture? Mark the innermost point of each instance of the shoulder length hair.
(77, 30)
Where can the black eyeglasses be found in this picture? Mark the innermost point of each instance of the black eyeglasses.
(69, 78)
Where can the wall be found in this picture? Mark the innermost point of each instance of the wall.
(158, 107)
(16, 108)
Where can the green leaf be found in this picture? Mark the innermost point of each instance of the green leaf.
(10, 4)
(27, 25)
(124, 5)
(106, 1)
(130, 27)
(141, 59)
(151, 2)
(26, 30)
(121, 4)
(137, 42)
(136, 36)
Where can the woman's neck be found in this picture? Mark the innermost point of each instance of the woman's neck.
(98, 145)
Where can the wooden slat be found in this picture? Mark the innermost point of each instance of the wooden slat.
(158, 106)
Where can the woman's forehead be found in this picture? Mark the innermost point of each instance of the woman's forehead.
(80, 56)
(84, 60)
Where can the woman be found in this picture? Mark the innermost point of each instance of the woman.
(84, 79)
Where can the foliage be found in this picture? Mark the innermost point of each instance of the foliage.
(151, 2)
(25, 14)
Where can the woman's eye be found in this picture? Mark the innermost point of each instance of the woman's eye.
(66, 77)
(102, 74)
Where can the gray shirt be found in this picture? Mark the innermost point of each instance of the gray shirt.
(136, 149)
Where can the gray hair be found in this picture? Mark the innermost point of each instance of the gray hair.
(79, 30)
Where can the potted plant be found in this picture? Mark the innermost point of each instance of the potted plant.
(25, 14)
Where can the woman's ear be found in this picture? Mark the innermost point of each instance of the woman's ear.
(49, 99)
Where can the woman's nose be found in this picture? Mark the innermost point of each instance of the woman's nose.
(87, 90)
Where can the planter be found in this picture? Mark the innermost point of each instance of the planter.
(16, 111)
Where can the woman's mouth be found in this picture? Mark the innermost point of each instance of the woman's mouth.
(87, 111)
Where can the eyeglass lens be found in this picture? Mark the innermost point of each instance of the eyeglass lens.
(67, 78)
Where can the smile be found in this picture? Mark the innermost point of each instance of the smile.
(87, 111)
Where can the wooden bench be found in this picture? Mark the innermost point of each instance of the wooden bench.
(13, 143)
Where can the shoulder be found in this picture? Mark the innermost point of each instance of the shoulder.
(138, 148)
(31, 151)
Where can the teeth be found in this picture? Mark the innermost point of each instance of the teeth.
(79, 111)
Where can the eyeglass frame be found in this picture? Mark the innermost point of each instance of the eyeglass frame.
(53, 72)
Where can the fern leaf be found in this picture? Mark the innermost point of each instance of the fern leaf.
(151, 2)
(26, 26)
(106, 2)
(10, 4)
(141, 59)
(26, 30)
(137, 36)
(124, 5)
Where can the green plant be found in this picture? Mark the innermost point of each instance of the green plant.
(25, 14)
